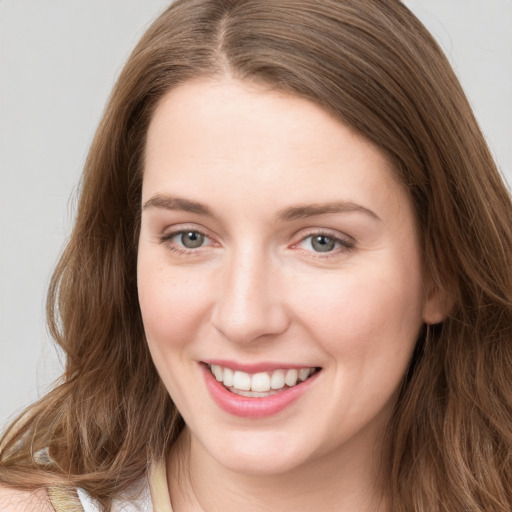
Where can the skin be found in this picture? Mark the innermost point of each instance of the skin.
(257, 290)
(14, 500)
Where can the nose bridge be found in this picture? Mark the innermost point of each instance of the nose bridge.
(249, 305)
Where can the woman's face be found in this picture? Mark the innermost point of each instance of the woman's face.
(278, 252)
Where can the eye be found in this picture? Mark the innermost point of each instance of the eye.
(322, 243)
(191, 239)
(185, 240)
(325, 243)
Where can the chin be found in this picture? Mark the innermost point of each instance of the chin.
(260, 454)
(260, 464)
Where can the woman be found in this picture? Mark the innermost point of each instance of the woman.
(289, 283)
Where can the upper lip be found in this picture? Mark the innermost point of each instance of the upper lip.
(263, 366)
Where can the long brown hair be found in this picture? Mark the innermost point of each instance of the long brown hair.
(373, 65)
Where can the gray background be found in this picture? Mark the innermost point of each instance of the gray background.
(58, 62)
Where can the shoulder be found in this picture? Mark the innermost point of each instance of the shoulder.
(14, 500)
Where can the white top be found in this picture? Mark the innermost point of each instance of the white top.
(151, 496)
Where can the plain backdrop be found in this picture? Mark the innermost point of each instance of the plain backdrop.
(58, 62)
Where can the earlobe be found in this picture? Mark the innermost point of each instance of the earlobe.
(438, 305)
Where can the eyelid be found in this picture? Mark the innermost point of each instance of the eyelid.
(174, 229)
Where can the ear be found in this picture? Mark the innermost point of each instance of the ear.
(438, 304)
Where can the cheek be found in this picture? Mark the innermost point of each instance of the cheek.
(169, 303)
(364, 312)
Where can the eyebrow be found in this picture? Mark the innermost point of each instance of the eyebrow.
(172, 202)
(312, 210)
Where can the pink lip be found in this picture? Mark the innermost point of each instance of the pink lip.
(253, 407)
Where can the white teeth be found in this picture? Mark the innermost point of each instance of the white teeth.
(262, 383)
(304, 373)
(291, 377)
(277, 379)
(218, 372)
(228, 377)
(253, 394)
(242, 380)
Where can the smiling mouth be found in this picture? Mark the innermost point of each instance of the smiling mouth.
(261, 384)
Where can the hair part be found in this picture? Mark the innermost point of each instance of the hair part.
(374, 66)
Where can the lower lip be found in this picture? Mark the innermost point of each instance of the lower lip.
(253, 407)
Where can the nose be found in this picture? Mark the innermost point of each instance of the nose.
(250, 303)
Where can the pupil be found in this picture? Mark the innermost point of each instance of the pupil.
(192, 239)
(323, 243)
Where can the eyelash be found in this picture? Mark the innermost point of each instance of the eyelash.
(343, 245)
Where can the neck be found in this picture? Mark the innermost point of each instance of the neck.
(340, 481)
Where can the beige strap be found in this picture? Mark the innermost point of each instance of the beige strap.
(159, 489)
(64, 500)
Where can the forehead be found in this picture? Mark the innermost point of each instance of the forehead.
(205, 110)
(211, 135)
